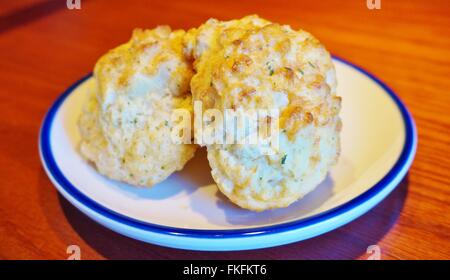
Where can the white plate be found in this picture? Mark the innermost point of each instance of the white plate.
(187, 211)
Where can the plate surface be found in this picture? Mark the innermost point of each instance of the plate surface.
(187, 211)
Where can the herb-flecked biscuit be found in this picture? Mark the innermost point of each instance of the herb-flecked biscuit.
(126, 124)
(252, 63)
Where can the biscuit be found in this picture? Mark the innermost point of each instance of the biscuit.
(250, 64)
(126, 124)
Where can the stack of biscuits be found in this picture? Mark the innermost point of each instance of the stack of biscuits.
(244, 65)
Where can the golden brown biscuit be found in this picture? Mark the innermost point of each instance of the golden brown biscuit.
(253, 64)
(126, 124)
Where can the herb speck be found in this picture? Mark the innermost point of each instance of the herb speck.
(283, 159)
(270, 67)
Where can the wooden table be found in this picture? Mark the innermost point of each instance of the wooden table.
(44, 47)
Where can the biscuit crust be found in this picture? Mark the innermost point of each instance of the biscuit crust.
(254, 64)
(126, 123)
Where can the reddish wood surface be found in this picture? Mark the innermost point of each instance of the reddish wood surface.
(44, 47)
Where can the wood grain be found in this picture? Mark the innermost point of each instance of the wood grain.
(44, 47)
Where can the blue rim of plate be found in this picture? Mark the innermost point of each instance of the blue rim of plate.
(408, 151)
